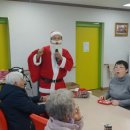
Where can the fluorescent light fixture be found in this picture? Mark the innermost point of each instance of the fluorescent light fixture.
(128, 5)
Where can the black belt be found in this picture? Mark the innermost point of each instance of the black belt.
(50, 80)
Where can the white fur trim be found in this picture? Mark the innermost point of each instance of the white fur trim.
(55, 67)
(52, 86)
(35, 60)
(45, 90)
(56, 33)
(62, 65)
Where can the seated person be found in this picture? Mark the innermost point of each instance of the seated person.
(119, 87)
(16, 105)
(63, 114)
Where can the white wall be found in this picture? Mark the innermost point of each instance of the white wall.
(31, 23)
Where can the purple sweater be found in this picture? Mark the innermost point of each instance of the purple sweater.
(59, 125)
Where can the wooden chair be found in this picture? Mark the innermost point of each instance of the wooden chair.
(38, 121)
(3, 122)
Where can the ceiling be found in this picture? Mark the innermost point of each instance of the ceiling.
(107, 4)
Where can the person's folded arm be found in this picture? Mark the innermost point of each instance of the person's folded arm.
(25, 104)
(124, 103)
(35, 99)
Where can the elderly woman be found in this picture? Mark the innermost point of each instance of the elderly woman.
(17, 106)
(62, 112)
(119, 87)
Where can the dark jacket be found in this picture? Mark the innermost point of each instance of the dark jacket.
(17, 107)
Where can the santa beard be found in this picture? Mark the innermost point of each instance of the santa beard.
(55, 47)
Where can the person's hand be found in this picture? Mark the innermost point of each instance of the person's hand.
(102, 98)
(40, 53)
(58, 56)
(77, 114)
(115, 102)
(44, 98)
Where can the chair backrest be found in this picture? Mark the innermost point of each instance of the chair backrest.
(38, 121)
(3, 123)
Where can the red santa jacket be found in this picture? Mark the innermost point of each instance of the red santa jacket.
(45, 69)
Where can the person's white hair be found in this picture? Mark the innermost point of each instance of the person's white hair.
(56, 33)
(13, 77)
(60, 104)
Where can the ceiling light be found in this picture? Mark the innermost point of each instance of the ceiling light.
(128, 5)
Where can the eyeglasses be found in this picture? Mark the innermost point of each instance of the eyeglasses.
(119, 67)
(56, 37)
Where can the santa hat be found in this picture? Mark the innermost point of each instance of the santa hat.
(56, 33)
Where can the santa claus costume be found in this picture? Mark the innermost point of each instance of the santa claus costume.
(49, 71)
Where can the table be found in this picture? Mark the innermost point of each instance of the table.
(96, 115)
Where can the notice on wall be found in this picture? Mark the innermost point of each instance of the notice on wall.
(85, 46)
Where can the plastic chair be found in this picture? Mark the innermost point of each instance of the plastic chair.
(3, 122)
(38, 121)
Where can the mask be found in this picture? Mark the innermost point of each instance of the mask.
(71, 120)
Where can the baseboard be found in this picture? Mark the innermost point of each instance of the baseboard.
(104, 88)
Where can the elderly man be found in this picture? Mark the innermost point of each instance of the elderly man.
(17, 106)
(50, 64)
